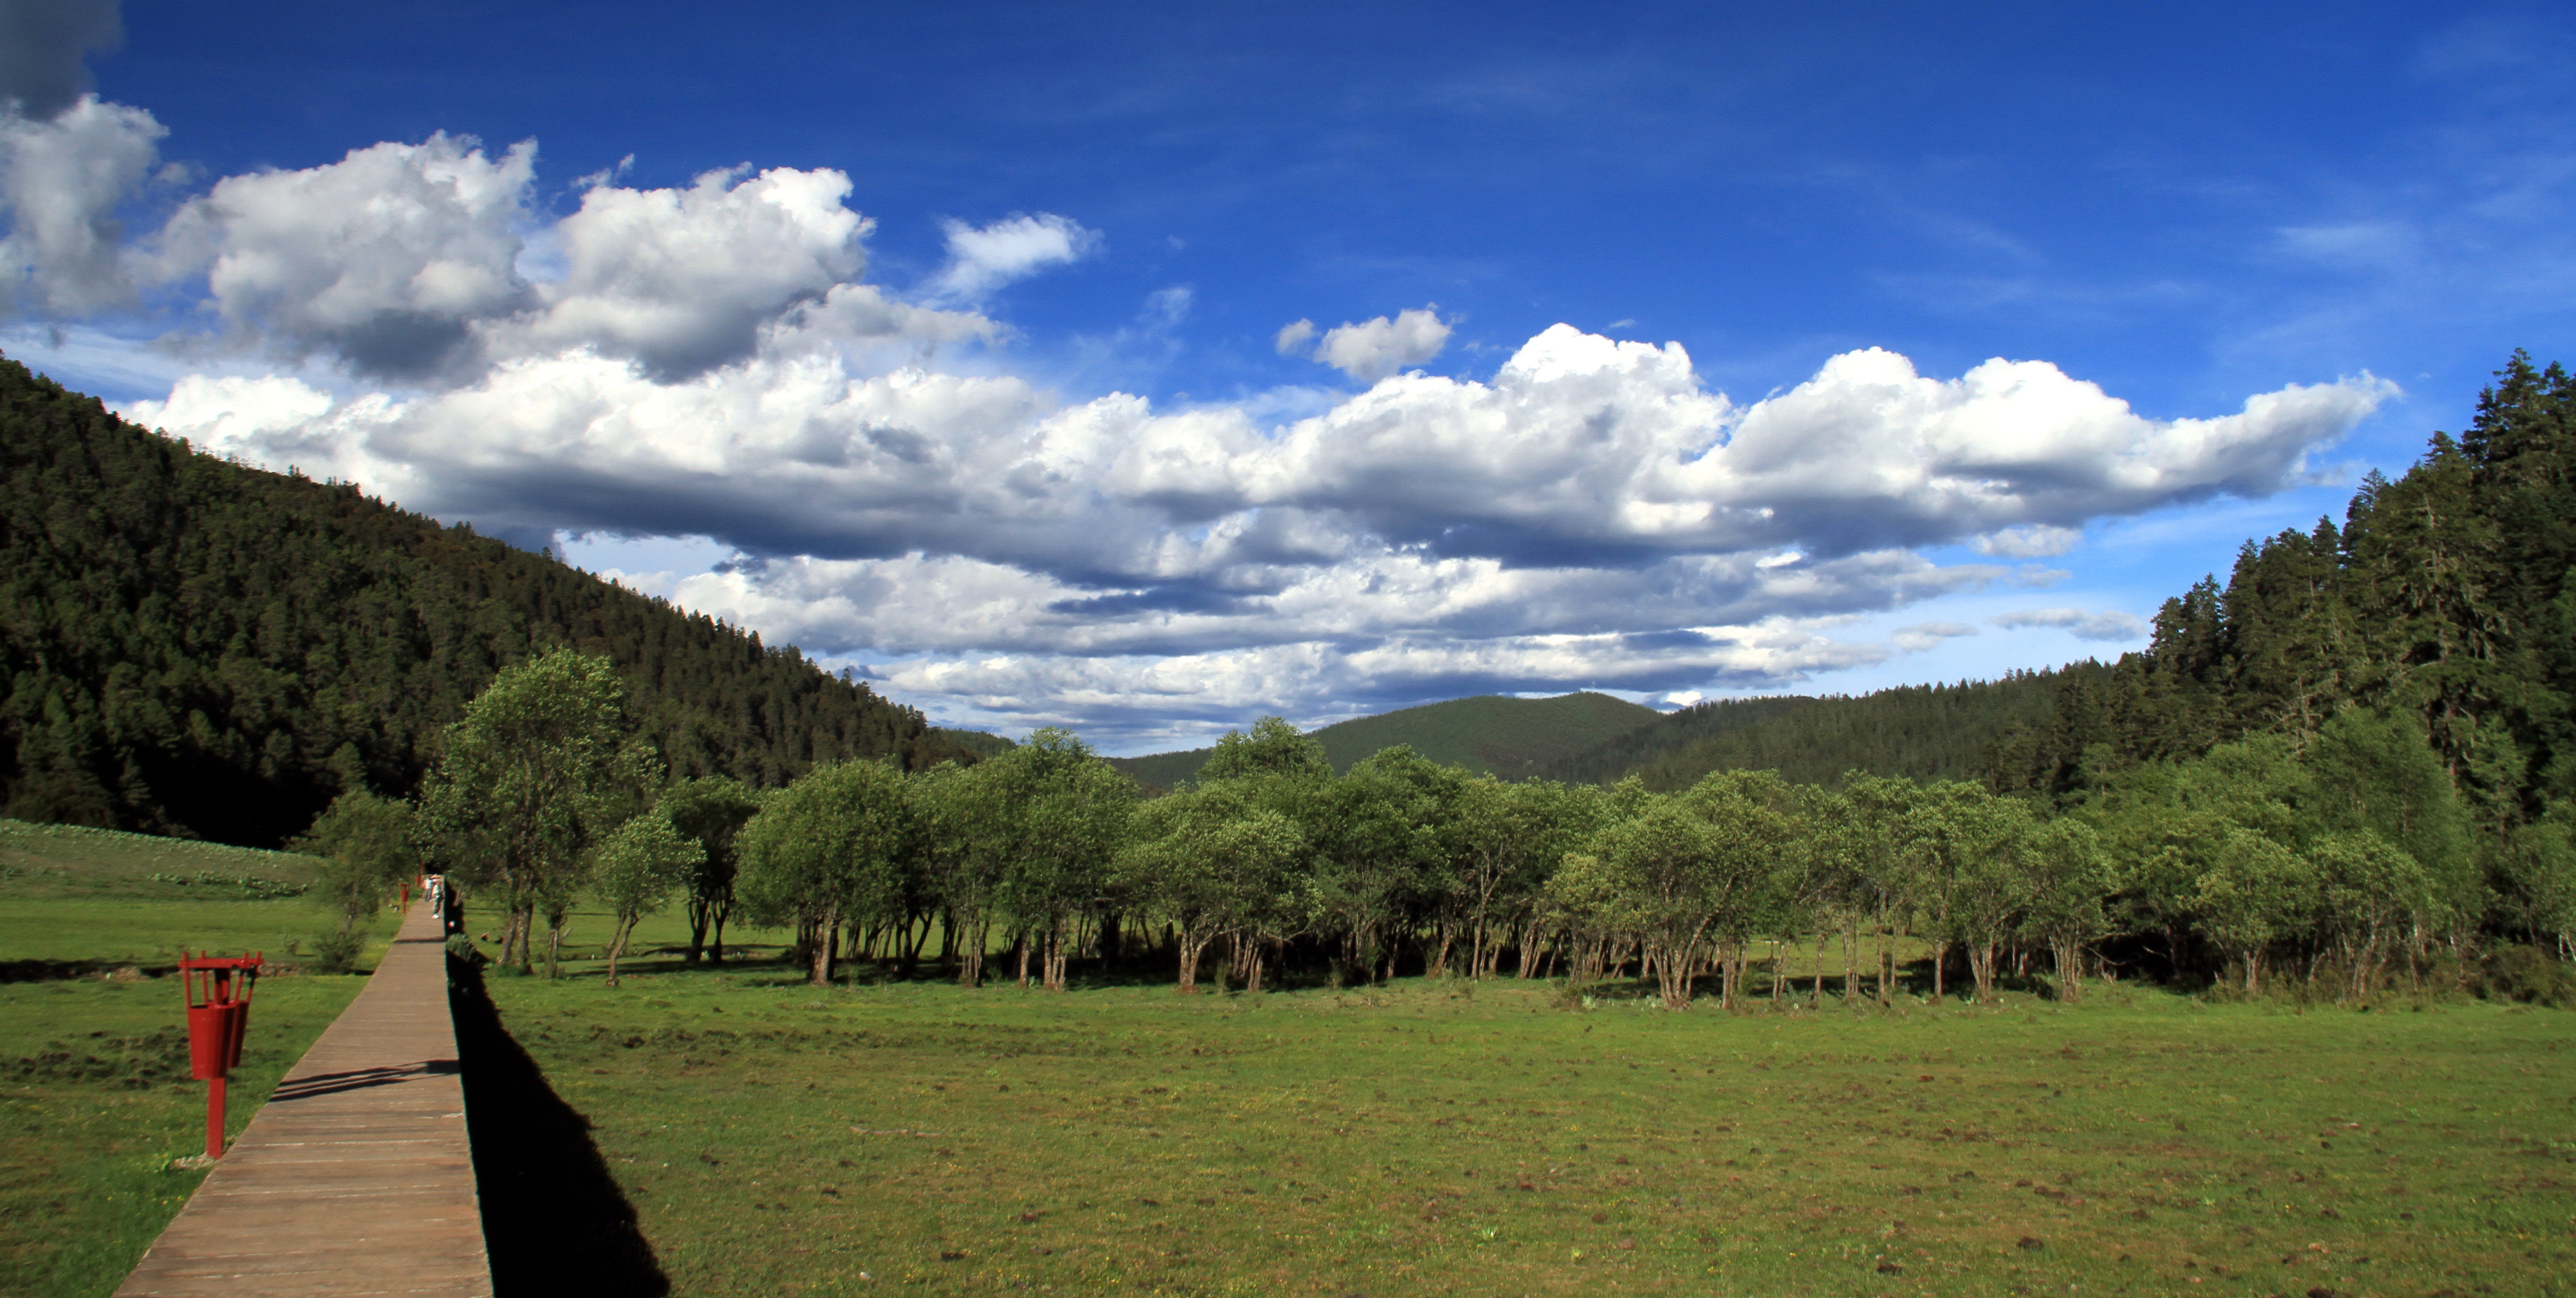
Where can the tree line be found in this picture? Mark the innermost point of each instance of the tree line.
(2337, 868)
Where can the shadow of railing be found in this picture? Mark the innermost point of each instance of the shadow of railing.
(305, 1088)
(554, 1221)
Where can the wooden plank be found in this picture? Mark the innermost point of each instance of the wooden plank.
(356, 1177)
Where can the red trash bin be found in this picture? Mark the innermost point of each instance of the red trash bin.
(218, 990)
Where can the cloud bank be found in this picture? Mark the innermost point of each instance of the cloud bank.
(706, 361)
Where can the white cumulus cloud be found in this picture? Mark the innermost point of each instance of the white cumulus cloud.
(386, 258)
(684, 279)
(61, 180)
(2083, 625)
(1375, 348)
(981, 259)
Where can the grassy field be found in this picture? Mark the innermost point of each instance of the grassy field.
(764, 1137)
(95, 1098)
(1435, 1138)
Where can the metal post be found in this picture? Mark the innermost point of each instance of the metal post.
(215, 1116)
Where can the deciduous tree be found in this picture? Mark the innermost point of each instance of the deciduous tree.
(635, 869)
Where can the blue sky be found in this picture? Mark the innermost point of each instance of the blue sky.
(1030, 447)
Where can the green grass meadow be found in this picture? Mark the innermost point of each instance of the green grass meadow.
(1430, 1137)
(95, 1098)
(1435, 1137)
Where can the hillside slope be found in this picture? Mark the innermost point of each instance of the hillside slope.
(2446, 596)
(1924, 732)
(197, 648)
(1492, 734)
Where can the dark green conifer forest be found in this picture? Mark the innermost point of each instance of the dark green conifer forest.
(2448, 595)
(1921, 732)
(193, 647)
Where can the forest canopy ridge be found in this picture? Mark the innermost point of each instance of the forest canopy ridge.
(199, 648)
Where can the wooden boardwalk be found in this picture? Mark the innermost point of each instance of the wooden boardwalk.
(355, 1177)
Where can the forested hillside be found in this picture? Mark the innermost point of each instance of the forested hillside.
(1921, 732)
(2448, 595)
(1490, 734)
(193, 647)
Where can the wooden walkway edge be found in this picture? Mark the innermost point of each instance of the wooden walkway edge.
(356, 1177)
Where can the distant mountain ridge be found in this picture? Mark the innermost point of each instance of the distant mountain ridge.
(1491, 733)
(1920, 732)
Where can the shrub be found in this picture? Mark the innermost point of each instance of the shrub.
(337, 953)
(2527, 974)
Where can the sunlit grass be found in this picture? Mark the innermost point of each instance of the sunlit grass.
(1438, 1138)
(95, 1100)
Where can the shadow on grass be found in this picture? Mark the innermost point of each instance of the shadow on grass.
(554, 1221)
(40, 971)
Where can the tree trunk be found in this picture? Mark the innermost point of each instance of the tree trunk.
(2068, 955)
(821, 952)
(617, 944)
(724, 911)
(1940, 963)
(554, 943)
(699, 916)
(1851, 962)
(1191, 947)
(518, 938)
(911, 939)
(1672, 969)
(1886, 967)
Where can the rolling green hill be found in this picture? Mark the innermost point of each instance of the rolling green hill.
(1925, 732)
(1491, 733)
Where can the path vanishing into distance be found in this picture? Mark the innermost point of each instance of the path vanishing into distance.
(356, 1176)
